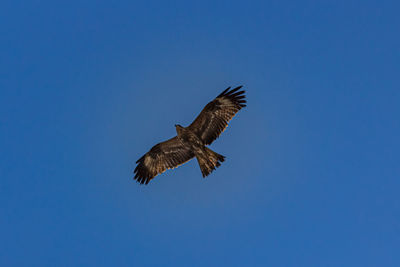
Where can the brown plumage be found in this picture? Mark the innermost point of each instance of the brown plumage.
(191, 141)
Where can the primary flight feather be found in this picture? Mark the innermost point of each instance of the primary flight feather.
(191, 141)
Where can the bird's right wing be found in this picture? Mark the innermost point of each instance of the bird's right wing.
(165, 155)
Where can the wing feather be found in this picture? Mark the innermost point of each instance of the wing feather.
(215, 116)
(165, 155)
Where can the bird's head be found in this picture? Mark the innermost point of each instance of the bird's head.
(178, 128)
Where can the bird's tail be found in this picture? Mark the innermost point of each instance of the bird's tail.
(208, 160)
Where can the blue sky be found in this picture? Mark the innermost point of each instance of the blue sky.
(312, 170)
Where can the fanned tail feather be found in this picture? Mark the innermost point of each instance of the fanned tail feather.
(208, 160)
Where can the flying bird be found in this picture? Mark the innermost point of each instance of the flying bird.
(191, 141)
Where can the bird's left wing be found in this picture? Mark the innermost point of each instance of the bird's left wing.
(215, 116)
(165, 155)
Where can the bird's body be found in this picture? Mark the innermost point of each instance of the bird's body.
(191, 141)
(208, 160)
(188, 137)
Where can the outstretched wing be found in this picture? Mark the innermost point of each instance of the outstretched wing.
(215, 116)
(166, 155)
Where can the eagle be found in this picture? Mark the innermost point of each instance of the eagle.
(192, 141)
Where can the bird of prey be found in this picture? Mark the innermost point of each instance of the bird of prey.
(191, 141)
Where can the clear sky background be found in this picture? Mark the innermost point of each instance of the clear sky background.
(312, 176)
